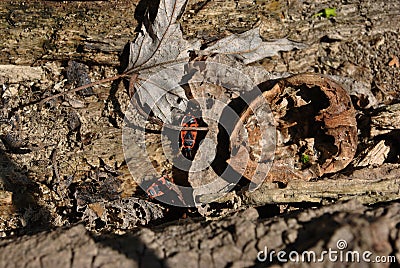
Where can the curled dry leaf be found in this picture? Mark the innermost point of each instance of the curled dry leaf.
(159, 55)
(216, 81)
(315, 129)
(358, 90)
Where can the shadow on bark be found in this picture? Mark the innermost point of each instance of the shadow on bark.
(133, 248)
(33, 217)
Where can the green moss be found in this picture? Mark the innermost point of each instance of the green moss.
(326, 13)
(305, 158)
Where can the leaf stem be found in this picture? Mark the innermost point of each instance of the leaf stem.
(83, 87)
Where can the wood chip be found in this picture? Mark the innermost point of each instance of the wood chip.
(394, 62)
(376, 155)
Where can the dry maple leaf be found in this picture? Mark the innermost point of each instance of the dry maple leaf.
(159, 55)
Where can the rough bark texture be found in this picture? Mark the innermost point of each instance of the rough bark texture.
(72, 147)
(368, 185)
(233, 241)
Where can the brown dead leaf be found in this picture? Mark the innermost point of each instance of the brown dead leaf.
(98, 208)
(394, 62)
(316, 129)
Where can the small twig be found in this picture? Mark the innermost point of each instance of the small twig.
(131, 71)
(53, 158)
(131, 93)
(109, 79)
(132, 82)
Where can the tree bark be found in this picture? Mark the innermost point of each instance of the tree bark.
(235, 240)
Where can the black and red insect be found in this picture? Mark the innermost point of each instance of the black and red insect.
(188, 137)
(164, 187)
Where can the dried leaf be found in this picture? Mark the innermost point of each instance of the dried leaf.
(168, 43)
(360, 91)
(153, 51)
(249, 47)
(314, 117)
(394, 62)
(162, 93)
(216, 82)
(159, 54)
